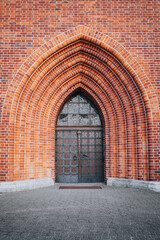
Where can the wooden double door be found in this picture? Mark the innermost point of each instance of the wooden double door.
(79, 155)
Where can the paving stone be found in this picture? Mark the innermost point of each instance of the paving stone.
(80, 214)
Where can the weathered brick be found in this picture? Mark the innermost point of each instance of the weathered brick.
(110, 50)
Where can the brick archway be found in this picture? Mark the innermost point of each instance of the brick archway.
(81, 58)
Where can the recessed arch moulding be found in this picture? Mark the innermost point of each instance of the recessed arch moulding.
(81, 59)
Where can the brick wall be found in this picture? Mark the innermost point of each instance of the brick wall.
(119, 68)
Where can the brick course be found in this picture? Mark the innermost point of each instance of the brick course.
(113, 59)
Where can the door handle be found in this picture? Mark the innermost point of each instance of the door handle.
(74, 157)
(84, 155)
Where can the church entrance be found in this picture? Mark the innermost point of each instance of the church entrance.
(79, 142)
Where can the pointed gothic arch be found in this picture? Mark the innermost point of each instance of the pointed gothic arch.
(80, 58)
(79, 141)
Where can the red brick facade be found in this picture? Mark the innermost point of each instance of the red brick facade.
(113, 59)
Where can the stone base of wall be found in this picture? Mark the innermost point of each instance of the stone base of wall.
(131, 183)
(46, 182)
(25, 185)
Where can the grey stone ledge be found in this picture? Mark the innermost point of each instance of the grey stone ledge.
(25, 185)
(131, 183)
(46, 182)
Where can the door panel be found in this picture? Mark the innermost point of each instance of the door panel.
(91, 165)
(79, 156)
(66, 156)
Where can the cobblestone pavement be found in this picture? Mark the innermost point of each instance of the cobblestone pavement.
(107, 213)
